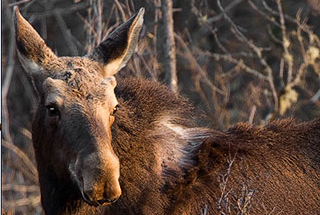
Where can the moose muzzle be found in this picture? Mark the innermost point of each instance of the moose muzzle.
(97, 175)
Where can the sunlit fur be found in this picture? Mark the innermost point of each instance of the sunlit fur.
(169, 166)
(150, 153)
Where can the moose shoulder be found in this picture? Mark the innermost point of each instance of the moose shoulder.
(131, 147)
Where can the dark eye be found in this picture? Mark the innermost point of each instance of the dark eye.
(115, 109)
(53, 111)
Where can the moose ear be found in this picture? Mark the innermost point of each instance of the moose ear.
(34, 54)
(115, 51)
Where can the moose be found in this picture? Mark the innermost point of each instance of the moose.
(131, 146)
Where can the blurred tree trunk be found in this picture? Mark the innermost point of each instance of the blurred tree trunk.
(166, 45)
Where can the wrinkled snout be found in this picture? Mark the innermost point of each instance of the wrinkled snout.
(98, 178)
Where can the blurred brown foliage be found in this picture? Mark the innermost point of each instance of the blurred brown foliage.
(237, 60)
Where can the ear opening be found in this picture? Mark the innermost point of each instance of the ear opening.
(115, 51)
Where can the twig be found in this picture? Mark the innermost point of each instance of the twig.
(273, 37)
(244, 201)
(239, 63)
(281, 71)
(217, 17)
(266, 16)
(87, 25)
(299, 75)
(214, 32)
(123, 14)
(252, 113)
(61, 11)
(223, 186)
(22, 156)
(97, 6)
(18, 3)
(66, 34)
(315, 97)
(147, 67)
(287, 17)
(285, 43)
(7, 80)
(90, 32)
(257, 51)
(195, 63)
(32, 200)
(168, 58)
(20, 188)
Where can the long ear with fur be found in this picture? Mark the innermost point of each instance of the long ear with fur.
(33, 51)
(35, 56)
(115, 51)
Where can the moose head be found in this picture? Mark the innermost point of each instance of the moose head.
(72, 127)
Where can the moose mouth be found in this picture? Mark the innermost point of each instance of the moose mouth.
(85, 197)
(96, 203)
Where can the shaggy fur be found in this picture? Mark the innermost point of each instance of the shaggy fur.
(168, 166)
(279, 163)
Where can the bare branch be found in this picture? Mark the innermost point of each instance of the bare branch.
(315, 97)
(257, 51)
(285, 16)
(22, 156)
(168, 52)
(252, 113)
(7, 79)
(217, 17)
(32, 200)
(98, 9)
(288, 58)
(123, 14)
(66, 34)
(61, 11)
(195, 63)
(239, 63)
(266, 16)
(18, 3)
(20, 188)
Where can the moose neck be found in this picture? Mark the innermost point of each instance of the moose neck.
(149, 137)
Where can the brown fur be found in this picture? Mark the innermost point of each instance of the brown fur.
(167, 165)
(280, 162)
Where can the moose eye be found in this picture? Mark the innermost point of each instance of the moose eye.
(53, 111)
(115, 109)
